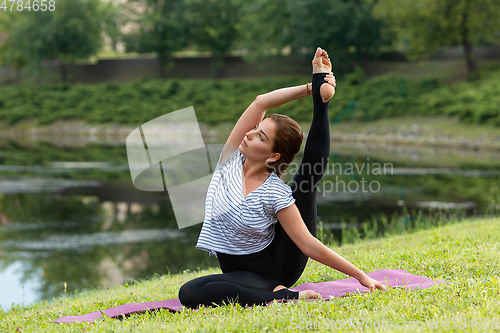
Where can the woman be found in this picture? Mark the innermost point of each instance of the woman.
(259, 257)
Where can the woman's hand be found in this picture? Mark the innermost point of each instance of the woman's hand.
(331, 80)
(370, 283)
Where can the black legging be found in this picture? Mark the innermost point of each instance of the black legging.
(250, 279)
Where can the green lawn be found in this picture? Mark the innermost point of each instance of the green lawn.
(465, 254)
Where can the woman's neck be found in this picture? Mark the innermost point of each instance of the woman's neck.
(256, 171)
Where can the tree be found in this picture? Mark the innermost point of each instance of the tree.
(10, 48)
(159, 28)
(346, 28)
(112, 22)
(266, 28)
(213, 26)
(427, 24)
(71, 32)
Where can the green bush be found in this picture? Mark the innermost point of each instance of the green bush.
(474, 101)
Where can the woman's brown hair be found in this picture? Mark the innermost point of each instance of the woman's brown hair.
(287, 141)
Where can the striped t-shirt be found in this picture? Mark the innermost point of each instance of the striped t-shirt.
(235, 224)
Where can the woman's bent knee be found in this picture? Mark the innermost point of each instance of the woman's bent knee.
(188, 295)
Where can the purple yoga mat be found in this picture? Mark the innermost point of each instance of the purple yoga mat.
(395, 278)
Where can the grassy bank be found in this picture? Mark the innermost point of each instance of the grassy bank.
(465, 254)
(425, 127)
(475, 101)
(420, 131)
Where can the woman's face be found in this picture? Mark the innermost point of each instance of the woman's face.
(258, 142)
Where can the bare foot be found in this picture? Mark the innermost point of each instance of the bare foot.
(322, 64)
(279, 288)
(309, 294)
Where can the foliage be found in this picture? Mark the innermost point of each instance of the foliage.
(159, 27)
(217, 101)
(347, 29)
(112, 22)
(475, 101)
(71, 32)
(421, 26)
(266, 28)
(135, 103)
(213, 26)
(428, 24)
(11, 49)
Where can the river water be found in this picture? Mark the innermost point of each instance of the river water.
(71, 219)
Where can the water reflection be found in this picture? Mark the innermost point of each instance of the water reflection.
(70, 216)
(15, 287)
(32, 185)
(83, 242)
(90, 241)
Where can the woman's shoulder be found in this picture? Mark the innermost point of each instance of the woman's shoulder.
(278, 194)
(275, 183)
(276, 179)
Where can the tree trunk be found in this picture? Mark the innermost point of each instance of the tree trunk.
(165, 63)
(365, 61)
(464, 31)
(217, 63)
(18, 75)
(64, 72)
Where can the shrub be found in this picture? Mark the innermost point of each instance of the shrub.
(216, 101)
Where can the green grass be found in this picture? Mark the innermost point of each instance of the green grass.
(465, 254)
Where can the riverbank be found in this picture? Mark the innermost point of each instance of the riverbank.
(427, 131)
(416, 131)
(465, 254)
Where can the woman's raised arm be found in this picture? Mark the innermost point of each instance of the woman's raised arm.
(294, 226)
(257, 110)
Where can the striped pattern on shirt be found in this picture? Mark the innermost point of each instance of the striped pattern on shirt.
(235, 224)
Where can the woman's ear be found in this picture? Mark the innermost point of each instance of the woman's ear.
(274, 157)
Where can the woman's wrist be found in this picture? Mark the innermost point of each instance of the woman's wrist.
(359, 274)
(308, 89)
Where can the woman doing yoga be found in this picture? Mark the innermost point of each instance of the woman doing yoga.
(259, 257)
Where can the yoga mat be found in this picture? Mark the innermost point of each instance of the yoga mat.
(395, 278)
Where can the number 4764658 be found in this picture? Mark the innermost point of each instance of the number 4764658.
(35, 5)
